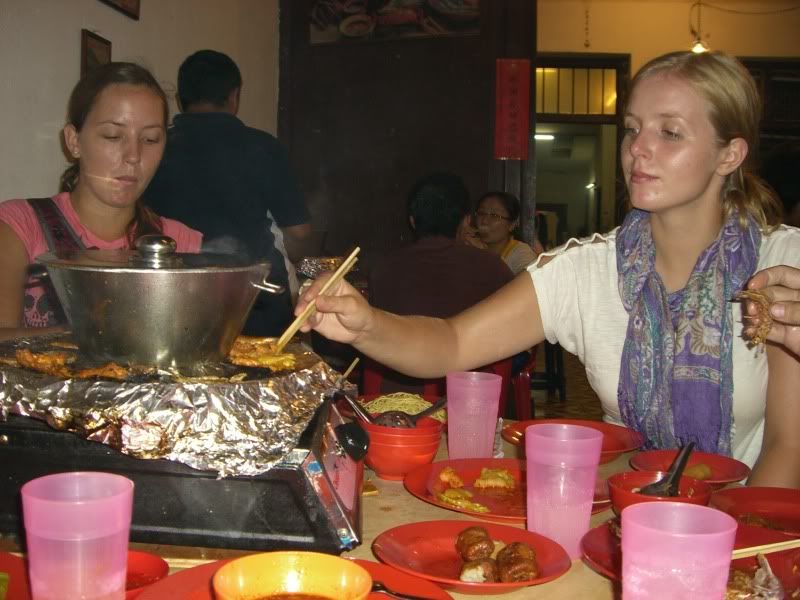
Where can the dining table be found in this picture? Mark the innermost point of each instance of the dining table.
(393, 505)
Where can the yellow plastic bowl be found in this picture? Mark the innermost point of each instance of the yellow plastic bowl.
(259, 575)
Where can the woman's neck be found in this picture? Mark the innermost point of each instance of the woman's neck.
(679, 241)
(109, 223)
(497, 247)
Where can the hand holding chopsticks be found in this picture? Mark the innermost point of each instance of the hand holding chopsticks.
(298, 322)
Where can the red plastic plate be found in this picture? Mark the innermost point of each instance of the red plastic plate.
(17, 576)
(504, 506)
(616, 439)
(724, 469)
(602, 551)
(779, 506)
(427, 550)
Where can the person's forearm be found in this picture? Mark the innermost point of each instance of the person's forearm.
(778, 466)
(417, 346)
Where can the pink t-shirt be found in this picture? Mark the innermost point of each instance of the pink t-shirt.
(20, 216)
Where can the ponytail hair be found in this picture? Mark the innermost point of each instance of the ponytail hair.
(749, 195)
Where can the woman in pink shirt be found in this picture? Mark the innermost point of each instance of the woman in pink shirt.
(115, 135)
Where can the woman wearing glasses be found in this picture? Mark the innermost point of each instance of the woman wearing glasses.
(496, 219)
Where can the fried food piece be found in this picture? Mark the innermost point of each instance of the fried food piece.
(449, 476)
(757, 520)
(474, 543)
(758, 336)
(699, 471)
(495, 478)
(51, 363)
(107, 371)
(517, 562)
(483, 570)
(65, 345)
(460, 498)
(259, 352)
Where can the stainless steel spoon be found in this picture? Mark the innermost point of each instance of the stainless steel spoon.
(400, 418)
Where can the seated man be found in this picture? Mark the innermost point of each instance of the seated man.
(437, 275)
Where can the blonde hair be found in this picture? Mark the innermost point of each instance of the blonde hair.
(734, 111)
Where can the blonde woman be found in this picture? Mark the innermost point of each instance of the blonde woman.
(647, 307)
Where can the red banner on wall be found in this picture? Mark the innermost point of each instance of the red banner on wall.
(512, 118)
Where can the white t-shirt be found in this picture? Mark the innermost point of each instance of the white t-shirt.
(520, 256)
(582, 311)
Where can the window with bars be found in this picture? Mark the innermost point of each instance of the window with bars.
(576, 91)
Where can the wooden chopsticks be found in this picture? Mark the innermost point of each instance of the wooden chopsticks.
(349, 370)
(765, 548)
(343, 269)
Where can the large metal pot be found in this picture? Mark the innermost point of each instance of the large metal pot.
(153, 306)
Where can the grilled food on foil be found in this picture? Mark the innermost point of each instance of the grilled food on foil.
(63, 363)
(216, 416)
(259, 352)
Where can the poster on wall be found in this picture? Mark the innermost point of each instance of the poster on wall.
(344, 21)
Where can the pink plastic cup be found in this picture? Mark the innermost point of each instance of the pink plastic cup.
(76, 527)
(675, 551)
(561, 464)
(472, 401)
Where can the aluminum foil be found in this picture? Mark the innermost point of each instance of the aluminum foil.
(313, 266)
(233, 428)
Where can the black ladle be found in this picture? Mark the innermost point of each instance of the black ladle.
(353, 439)
(668, 485)
(400, 418)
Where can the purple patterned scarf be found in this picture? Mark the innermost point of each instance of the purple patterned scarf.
(675, 380)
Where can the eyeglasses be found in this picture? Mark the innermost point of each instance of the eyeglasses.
(490, 216)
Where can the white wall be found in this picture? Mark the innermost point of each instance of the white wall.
(648, 28)
(40, 63)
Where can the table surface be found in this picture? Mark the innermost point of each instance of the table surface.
(394, 506)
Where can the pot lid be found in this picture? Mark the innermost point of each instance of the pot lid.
(153, 251)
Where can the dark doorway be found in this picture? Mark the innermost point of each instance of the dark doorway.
(363, 119)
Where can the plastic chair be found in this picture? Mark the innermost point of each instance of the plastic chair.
(553, 379)
(373, 374)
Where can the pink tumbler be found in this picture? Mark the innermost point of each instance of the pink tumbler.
(76, 527)
(675, 551)
(561, 464)
(472, 401)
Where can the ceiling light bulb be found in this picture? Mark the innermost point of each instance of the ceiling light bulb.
(699, 46)
(590, 186)
(544, 136)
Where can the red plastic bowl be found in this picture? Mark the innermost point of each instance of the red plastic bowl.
(393, 462)
(621, 488)
(144, 569)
